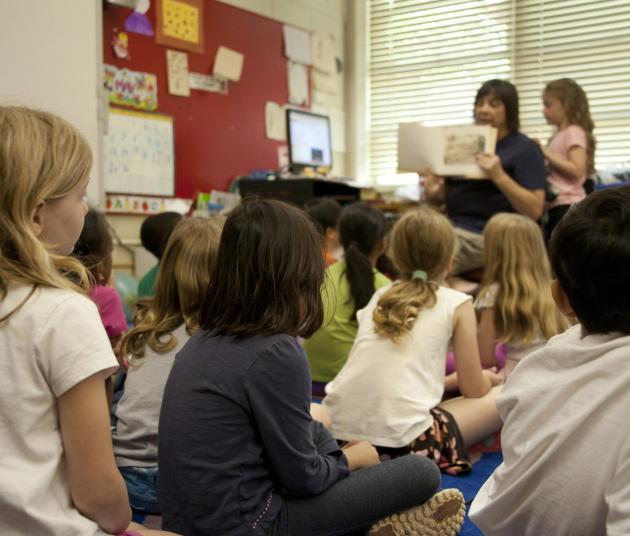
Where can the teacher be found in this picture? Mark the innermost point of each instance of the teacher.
(516, 177)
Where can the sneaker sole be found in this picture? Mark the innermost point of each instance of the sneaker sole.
(442, 515)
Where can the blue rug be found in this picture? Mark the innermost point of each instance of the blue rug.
(469, 484)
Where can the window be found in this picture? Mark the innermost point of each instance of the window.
(587, 41)
(427, 58)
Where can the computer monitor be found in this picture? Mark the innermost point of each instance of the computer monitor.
(309, 139)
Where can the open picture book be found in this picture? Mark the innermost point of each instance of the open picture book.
(447, 150)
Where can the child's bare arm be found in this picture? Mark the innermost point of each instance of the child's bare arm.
(486, 337)
(473, 383)
(97, 488)
(450, 382)
(573, 167)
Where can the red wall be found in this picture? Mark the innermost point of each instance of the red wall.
(216, 136)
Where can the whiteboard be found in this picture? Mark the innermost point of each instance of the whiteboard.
(139, 153)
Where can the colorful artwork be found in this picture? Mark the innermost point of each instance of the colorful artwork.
(142, 204)
(120, 45)
(181, 20)
(138, 22)
(131, 88)
(180, 24)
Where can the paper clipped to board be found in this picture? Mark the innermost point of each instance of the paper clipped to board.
(177, 73)
(228, 63)
(447, 150)
(297, 45)
(275, 124)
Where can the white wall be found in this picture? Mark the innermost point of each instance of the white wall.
(50, 58)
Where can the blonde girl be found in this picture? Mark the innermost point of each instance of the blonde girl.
(570, 152)
(163, 324)
(514, 305)
(389, 391)
(58, 474)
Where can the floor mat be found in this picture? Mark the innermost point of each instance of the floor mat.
(469, 484)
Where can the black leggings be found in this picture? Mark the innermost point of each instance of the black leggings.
(352, 504)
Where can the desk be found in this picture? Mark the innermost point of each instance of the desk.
(299, 191)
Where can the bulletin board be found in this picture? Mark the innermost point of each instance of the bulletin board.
(139, 153)
(217, 136)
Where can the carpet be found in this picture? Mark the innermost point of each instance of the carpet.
(469, 484)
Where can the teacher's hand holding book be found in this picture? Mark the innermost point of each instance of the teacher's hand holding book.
(491, 164)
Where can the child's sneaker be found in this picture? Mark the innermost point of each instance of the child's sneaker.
(441, 515)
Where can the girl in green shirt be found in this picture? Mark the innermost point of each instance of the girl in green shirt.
(349, 286)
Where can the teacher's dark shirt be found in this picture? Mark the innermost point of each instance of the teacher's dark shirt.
(470, 203)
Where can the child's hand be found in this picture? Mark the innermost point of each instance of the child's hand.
(360, 454)
(434, 187)
(496, 378)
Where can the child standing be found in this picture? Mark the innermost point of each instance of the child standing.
(570, 151)
(514, 305)
(94, 249)
(566, 433)
(238, 451)
(57, 474)
(349, 285)
(325, 212)
(389, 391)
(163, 324)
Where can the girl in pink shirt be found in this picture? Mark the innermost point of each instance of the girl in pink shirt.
(570, 151)
(94, 250)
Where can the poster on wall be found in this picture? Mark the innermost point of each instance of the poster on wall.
(177, 73)
(297, 78)
(180, 24)
(131, 88)
(228, 64)
(139, 153)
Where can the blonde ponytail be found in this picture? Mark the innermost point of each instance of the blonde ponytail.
(421, 247)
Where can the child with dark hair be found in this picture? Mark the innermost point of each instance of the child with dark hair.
(238, 451)
(566, 433)
(325, 212)
(349, 286)
(94, 250)
(154, 234)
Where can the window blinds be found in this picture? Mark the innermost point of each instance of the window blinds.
(587, 41)
(427, 58)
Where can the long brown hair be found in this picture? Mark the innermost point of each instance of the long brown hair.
(95, 246)
(422, 239)
(516, 260)
(185, 269)
(270, 274)
(575, 103)
(42, 158)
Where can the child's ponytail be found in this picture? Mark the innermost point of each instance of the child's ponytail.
(398, 308)
(361, 229)
(422, 244)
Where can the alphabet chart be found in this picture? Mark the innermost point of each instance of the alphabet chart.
(139, 153)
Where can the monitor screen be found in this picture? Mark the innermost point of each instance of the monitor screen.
(309, 139)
